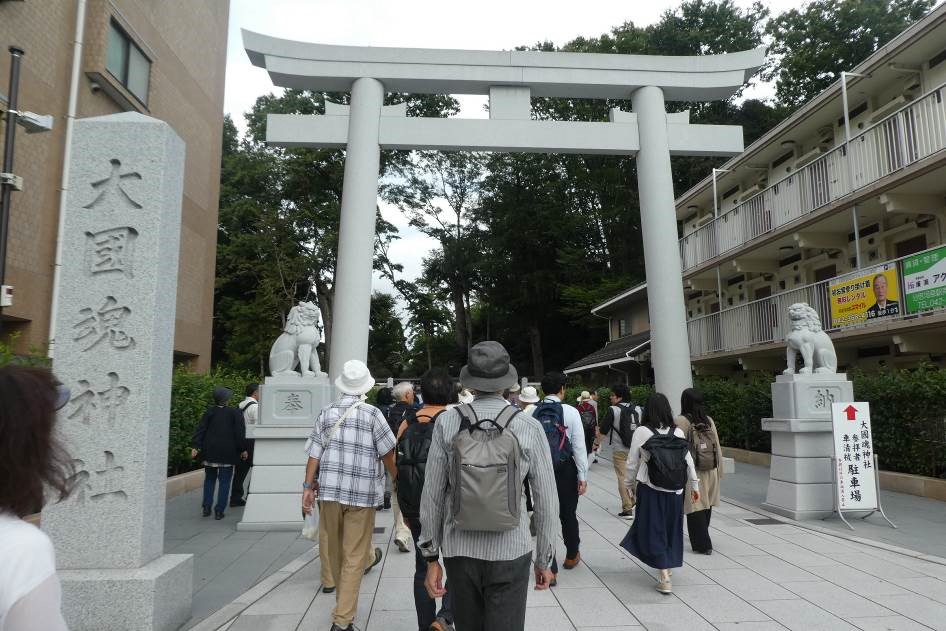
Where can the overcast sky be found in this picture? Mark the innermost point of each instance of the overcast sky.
(483, 25)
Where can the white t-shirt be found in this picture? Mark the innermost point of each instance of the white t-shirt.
(250, 408)
(27, 560)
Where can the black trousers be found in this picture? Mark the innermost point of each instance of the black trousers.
(425, 606)
(488, 595)
(698, 529)
(242, 470)
(566, 481)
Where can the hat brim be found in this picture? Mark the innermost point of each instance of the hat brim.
(529, 399)
(487, 384)
(356, 389)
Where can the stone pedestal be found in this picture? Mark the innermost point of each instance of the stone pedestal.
(288, 408)
(113, 348)
(800, 484)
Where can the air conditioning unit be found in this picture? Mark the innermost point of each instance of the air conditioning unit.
(811, 156)
(889, 108)
(753, 190)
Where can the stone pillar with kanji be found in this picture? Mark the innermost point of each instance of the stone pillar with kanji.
(114, 350)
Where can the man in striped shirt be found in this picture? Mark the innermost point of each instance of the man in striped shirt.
(488, 571)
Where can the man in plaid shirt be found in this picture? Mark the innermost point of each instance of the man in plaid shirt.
(348, 443)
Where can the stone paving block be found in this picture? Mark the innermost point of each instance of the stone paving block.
(880, 568)
(888, 623)
(319, 615)
(394, 594)
(283, 622)
(262, 588)
(837, 600)
(732, 547)
(688, 575)
(928, 586)
(859, 582)
(369, 583)
(777, 570)
(715, 561)
(672, 617)
(716, 604)
(397, 564)
(918, 608)
(749, 626)
(797, 555)
(801, 615)
(579, 576)
(753, 535)
(541, 598)
(389, 621)
(636, 589)
(608, 561)
(749, 585)
(288, 598)
(620, 628)
(605, 608)
(547, 619)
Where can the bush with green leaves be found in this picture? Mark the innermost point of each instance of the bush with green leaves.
(191, 395)
(908, 414)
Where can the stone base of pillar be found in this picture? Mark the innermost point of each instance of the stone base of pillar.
(800, 482)
(156, 597)
(275, 498)
(292, 401)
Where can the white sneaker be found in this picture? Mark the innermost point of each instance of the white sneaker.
(401, 545)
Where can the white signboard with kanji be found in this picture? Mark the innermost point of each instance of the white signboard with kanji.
(854, 457)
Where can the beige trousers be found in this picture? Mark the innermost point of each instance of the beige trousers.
(619, 459)
(347, 538)
(325, 562)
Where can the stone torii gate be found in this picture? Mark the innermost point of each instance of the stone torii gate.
(510, 78)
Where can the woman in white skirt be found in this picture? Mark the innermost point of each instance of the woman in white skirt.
(656, 536)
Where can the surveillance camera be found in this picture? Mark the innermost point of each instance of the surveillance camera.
(95, 87)
(35, 123)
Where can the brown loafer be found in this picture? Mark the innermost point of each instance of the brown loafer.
(571, 563)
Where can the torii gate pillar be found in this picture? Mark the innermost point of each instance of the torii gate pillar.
(356, 232)
(662, 263)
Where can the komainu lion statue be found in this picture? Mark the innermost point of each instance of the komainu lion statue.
(807, 338)
(298, 343)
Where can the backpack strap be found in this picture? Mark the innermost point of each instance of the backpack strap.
(468, 418)
(244, 408)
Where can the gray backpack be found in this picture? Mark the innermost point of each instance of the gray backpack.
(485, 486)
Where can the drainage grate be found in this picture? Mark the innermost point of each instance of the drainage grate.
(765, 521)
(379, 530)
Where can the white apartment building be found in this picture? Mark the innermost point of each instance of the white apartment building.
(845, 213)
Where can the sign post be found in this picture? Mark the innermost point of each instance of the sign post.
(854, 464)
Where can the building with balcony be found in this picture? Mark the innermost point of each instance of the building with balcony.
(844, 210)
(161, 59)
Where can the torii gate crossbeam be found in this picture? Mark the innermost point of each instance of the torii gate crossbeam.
(510, 78)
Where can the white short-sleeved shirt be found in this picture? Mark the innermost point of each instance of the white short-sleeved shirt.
(26, 560)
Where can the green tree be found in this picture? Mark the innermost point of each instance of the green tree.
(387, 345)
(814, 44)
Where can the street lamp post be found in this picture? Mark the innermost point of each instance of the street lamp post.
(848, 158)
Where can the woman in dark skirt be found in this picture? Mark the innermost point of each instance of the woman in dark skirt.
(656, 536)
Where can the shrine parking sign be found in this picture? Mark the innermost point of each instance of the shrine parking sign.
(854, 456)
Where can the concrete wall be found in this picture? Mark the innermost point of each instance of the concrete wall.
(186, 41)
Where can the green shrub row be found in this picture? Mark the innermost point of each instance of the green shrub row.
(191, 395)
(908, 413)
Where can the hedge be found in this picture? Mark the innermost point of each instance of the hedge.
(908, 415)
(191, 395)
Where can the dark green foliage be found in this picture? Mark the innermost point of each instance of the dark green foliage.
(191, 395)
(387, 345)
(814, 44)
(34, 357)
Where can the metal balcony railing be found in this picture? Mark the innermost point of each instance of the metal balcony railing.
(766, 320)
(915, 131)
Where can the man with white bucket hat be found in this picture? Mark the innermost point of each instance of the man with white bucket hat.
(348, 443)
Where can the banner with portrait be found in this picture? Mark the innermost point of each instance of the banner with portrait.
(864, 296)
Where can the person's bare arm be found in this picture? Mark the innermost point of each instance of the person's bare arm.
(309, 495)
(389, 464)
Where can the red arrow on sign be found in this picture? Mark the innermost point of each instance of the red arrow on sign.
(851, 412)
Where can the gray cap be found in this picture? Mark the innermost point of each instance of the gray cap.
(222, 395)
(488, 368)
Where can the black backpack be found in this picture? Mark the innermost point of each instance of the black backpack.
(629, 421)
(667, 466)
(397, 414)
(412, 451)
(551, 416)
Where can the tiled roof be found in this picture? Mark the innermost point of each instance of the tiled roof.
(614, 350)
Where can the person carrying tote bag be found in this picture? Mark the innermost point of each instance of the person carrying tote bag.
(707, 453)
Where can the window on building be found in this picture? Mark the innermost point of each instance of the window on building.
(911, 246)
(826, 273)
(126, 62)
(622, 327)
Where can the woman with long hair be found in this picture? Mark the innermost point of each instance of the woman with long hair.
(656, 536)
(31, 461)
(700, 431)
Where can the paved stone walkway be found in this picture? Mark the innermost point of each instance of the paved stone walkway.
(763, 575)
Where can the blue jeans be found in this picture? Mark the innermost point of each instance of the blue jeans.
(211, 476)
(425, 605)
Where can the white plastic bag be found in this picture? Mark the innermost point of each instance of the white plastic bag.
(310, 525)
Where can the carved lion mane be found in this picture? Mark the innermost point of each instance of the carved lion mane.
(808, 338)
(303, 315)
(297, 346)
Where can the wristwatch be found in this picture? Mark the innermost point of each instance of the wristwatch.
(307, 486)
